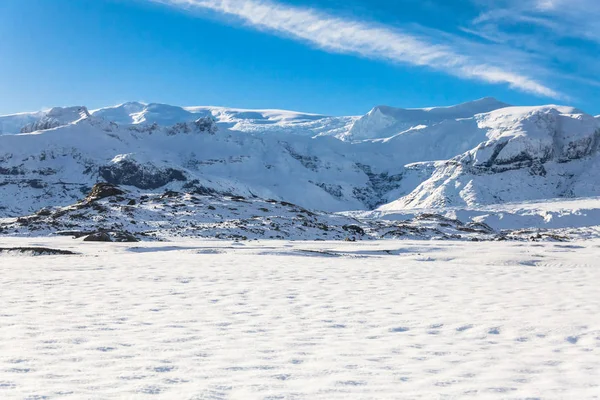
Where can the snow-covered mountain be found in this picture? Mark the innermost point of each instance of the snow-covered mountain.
(42, 120)
(251, 121)
(384, 121)
(135, 113)
(530, 153)
(55, 166)
(474, 154)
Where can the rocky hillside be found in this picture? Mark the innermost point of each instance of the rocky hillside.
(111, 213)
(530, 154)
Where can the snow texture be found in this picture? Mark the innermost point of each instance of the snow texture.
(303, 320)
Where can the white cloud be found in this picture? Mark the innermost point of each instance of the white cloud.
(563, 18)
(563, 36)
(369, 40)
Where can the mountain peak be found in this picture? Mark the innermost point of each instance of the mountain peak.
(385, 121)
(69, 112)
(55, 117)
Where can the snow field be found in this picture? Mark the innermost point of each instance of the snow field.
(300, 320)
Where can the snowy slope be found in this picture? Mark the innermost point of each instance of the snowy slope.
(384, 121)
(457, 156)
(250, 121)
(530, 153)
(575, 218)
(56, 117)
(13, 123)
(136, 113)
(54, 167)
(42, 120)
(127, 215)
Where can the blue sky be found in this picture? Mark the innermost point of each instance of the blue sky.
(337, 57)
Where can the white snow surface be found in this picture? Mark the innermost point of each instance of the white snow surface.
(385, 121)
(244, 120)
(42, 120)
(311, 320)
(13, 123)
(579, 217)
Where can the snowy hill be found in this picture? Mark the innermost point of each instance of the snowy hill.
(252, 121)
(42, 120)
(384, 121)
(530, 153)
(126, 216)
(136, 113)
(13, 123)
(461, 156)
(55, 166)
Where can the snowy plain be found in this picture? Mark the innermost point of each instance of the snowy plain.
(193, 319)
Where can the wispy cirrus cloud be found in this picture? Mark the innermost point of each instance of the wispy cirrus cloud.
(564, 18)
(564, 35)
(370, 40)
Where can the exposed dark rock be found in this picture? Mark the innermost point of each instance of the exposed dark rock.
(170, 194)
(98, 237)
(143, 177)
(44, 212)
(309, 162)
(12, 171)
(45, 172)
(202, 125)
(480, 227)
(240, 199)
(334, 190)
(25, 221)
(75, 234)
(196, 188)
(103, 190)
(438, 217)
(122, 236)
(354, 229)
(35, 183)
(103, 236)
(373, 195)
(36, 251)
(206, 124)
(60, 213)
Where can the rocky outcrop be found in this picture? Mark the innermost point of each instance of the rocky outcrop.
(206, 125)
(103, 190)
(36, 251)
(111, 236)
(130, 173)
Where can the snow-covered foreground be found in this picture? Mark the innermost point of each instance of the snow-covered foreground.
(300, 320)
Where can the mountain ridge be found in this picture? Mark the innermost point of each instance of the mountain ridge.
(506, 154)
